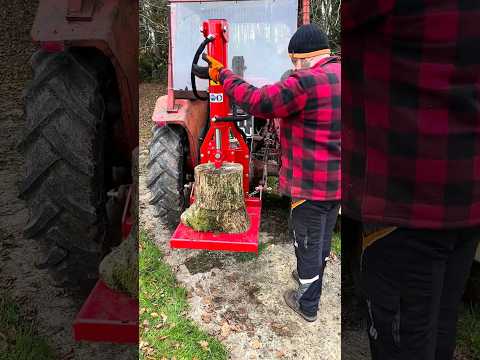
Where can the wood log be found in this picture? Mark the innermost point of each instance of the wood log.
(219, 200)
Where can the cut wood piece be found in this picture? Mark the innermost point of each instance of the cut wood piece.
(219, 200)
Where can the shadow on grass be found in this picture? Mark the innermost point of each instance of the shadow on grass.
(165, 331)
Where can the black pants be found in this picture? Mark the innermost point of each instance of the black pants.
(311, 228)
(414, 280)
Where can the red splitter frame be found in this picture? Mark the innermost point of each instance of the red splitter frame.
(218, 148)
(186, 238)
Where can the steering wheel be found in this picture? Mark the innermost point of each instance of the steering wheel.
(199, 52)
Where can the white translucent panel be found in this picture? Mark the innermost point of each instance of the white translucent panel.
(259, 31)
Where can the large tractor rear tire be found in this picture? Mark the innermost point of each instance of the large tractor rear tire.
(64, 156)
(166, 169)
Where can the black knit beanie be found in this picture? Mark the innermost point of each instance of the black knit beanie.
(308, 41)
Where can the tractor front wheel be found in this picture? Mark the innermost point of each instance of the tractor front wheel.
(166, 173)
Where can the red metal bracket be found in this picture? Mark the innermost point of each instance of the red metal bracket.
(80, 10)
(127, 221)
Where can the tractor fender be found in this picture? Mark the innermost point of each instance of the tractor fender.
(108, 25)
(191, 115)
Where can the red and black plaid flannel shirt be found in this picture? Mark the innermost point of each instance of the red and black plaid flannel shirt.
(411, 112)
(308, 102)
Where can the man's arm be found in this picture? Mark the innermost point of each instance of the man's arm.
(279, 100)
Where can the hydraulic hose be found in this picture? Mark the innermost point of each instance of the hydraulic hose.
(199, 52)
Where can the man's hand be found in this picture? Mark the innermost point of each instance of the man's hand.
(211, 72)
(214, 67)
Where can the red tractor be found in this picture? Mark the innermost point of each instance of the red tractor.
(81, 111)
(194, 122)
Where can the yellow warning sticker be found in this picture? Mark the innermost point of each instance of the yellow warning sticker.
(214, 83)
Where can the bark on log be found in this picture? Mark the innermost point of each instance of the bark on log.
(119, 269)
(219, 200)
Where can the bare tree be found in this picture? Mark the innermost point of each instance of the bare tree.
(326, 14)
(153, 37)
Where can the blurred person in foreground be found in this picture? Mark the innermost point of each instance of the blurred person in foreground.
(411, 165)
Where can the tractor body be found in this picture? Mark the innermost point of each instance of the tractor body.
(259, 32)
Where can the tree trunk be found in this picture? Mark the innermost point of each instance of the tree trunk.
(219, 200)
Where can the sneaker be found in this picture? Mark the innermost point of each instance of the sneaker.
(291, 300)
(295, 277)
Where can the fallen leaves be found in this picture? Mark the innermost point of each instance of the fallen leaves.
(204, 344)
(206, 318)
(255, 344)
(225, 330)
(164, 318)
(147, 350)
(281, 329)
(207, 301)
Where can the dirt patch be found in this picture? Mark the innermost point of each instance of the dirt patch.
(52, 308)
(205, 261)
(240, 301)
(275, 214)
(148, 92)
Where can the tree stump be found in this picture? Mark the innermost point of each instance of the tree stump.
(219, 200)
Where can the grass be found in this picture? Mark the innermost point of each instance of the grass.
(165, 332)
(18, 338)
(337, 244)
(468, 338)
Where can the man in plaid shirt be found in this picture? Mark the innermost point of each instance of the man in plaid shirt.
(411, 165)
(308, 102)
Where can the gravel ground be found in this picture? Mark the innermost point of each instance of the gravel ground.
(52, 308)
(241, 302)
